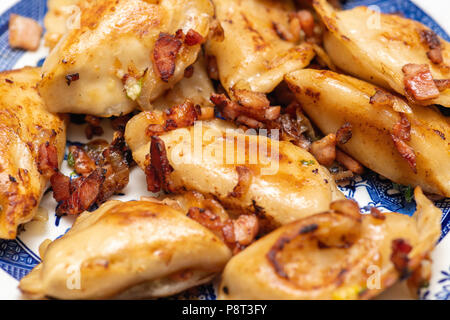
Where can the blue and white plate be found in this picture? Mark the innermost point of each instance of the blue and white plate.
(19, 256)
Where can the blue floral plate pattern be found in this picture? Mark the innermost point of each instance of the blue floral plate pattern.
(18, 257)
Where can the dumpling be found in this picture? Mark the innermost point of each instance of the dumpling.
(32, 143)
(137, 249)
(279, 182)
(390, 51)
(110, 65)
(339, 254)
(251, 55)
(407, 144)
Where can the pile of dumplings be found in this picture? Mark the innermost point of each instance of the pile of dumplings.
(328, 93)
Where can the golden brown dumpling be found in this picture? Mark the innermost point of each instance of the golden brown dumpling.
(32, 143)
(377, 47)
(137, 249)
(409, 147)
(111, 64)
(251, 55)
(339, 254)
(282, 184)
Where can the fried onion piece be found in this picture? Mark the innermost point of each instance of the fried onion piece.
(333, 255)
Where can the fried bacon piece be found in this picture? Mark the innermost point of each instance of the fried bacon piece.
(158, 169)
(83, 193)
(244, 181)
(104, 169)
(377, 214)
(193, 38)
(24, 33)
(165, 54)
(183, 115)
(431, 40)
(344, 133)
(348, 162)
(419, 82)
(249, 104)
(406, 152)
(61, 186)
(402, 129)
(324, 150)
(442, 84)
(47, 159)
(399, 256)
(237, 234)
(382, 98)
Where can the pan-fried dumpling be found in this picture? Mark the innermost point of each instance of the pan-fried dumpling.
(339, 254)
(138, 249)
(390, 51)
(251, 54)
(409, 147)
(110, 65)
(279, 182)
(32, 143)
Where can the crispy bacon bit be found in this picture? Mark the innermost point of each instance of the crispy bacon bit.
(249, 104)
(431, 40)
(406, 152)
(105, 170)
(246, 228)
(399, 256)
(24, 33)
(158, 169)
(235, 233)
(61, 186)
(180, 116)
(377, 214)
(402, 129)
(83, 193)
(72, 77)
(165, 54)
(306, 22)
(83, 164)
(442, 84)
(212, 68)
(93, 128)
(324, 150)
(419, 82)
(244, 182)
(47, 159)
(348, 162)
(344, 133)
(382, 98)
(193, 38)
